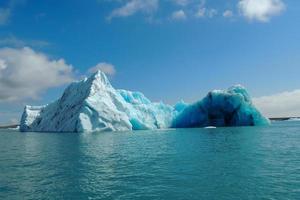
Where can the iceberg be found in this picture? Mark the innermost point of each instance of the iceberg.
(92, 104)
(232, 107)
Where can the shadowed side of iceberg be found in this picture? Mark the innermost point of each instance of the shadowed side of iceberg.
(93, 104)
(232, 107)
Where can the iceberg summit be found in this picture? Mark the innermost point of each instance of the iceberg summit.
(93, 105)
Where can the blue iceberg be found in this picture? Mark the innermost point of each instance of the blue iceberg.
(93, 104)
(232, 107)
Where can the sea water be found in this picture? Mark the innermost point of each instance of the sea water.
(221, 163)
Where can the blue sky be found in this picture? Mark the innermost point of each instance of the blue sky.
(168, 49)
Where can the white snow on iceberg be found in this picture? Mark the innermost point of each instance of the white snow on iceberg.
(94, 105)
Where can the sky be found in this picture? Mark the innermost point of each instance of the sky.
(167, 49)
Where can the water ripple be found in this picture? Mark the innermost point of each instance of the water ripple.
(222, 163)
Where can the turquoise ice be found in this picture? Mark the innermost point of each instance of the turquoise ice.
(93, 104)
(232, 107)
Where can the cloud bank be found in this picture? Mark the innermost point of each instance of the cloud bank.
(285, 104)
(252, 10)
(227, 13)
(134, 6)
(178, 15)
(25, 73)
(107, 68)
(260, 10)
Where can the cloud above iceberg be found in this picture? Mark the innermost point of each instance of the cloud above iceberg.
(107, 68)
(260, 10)
(134, 6)
(25, 73)
(284, 104)
(252, 10)
(178, 15)
(227, 13)
(203, 12)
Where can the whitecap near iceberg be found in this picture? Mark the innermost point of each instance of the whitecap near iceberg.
(93, 104)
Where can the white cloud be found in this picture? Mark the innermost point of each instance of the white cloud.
(204, 12)
(9, 118)
(201, 12)
(260, 10)
(14, 120)
(107, 68)
(2, 65)
(178, 15)
(134, 6)
(211, 13)
(285, 104)
(227, 13)
(25, 73)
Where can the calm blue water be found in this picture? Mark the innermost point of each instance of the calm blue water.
(223, 163)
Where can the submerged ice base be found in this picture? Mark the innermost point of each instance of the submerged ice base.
(94, 105)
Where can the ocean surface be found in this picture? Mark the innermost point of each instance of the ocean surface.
(222, 163)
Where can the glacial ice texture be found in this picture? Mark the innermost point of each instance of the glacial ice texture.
(93, 104)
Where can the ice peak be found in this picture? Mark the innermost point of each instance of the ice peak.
(240, 89)
(99, 78)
